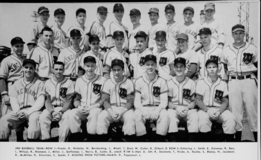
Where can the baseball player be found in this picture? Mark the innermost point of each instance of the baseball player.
(165, 57)
(31, 45)
(44, 54)
(59, 91)
(116, 53)
(155, 26)
(151, 100)
(241, 61)
(202, 17)
(59, 36)
(137, 59)
(212, 100)
(118, 93)
(181, 102)
(116, 25)
(94, 42)
(88, 101)
(27, 98)
(44, 15)
(70, 56)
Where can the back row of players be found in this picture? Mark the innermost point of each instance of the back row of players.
(236, 64)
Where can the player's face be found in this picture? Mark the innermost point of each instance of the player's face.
(117, 72)
(182, 44)
(150, 67)
(44, 17)
(179, 69)
(119, 14)
(102, 16)
(161, 42)
(153, 17)
(205, 39)
(188, 15)
(95, 45)
(29, 70)
(76, 40)
(141, 43)
(18, 48)
(89, 68)
(135, 19)
(47, 37)
(119, 42)
(81, 18)
(209, 14)
(238, 36)
(59, 19)
(58, 70)
(169, 14)
(212, 69)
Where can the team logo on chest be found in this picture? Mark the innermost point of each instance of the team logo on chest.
(63, 91)
(163, 61)
(96, 88)
(218, 96)
(156, 91)
(247, 58)
(186, 94)
(123, 93)
(142, 61)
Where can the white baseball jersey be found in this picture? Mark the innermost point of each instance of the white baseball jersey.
(118, 91)
(59, 90)
(132, 33)
(98, 29)
(164, 59)
(152, 35)
(71, 60)
(83, 33)
(26, 94)
(181, 93)
(137, 60)
(36, 30)
(211, 93)
(98, 58)
(217, 30)
(191, 57)
(192, 32)
(172, 30)
(240, 60)
(151, 91)
(60, 39)
(44, 58)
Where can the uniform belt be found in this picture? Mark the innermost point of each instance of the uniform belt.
(241, 77)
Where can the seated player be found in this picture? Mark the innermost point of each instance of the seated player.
(118, 93)
(88, 102)
(212, 99)
(151, 100)
(181, 102)
(26, 98)
(59, 91)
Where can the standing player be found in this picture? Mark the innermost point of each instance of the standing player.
(212, 99)
(26, 98)
(44, 55)
(151, 100)
(181, 102)
(59, 91)
(241, 60)
(88, 102)
(118, 93)
(137, 59)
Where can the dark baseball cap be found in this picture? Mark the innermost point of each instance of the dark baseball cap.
(94, 37)
(160, 34)
(135, 12)
(102, 9)
(202, 12)
(118, 6)
(180, 60)
(170, 6)
(205, 31)
(238, 27)
(16, 40)
(75, 32)
(150, 57)
(140, 34)
(117, 62)
(32, 42)
(30, 61)
(153, 10)
(59, 11)
(188, 8)
(182, 36)
(117, 34)
(211, 61)
(89, 59)
(80, 10)
(42, 9)
(210, 6)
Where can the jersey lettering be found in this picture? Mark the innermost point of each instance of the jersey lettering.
(247, 58)
(186, 94)
(96, 88)
(123, 93)
(142, 61)
(14, 67)
(218, 96)
(63, 92)
(163, 61)
(156, 91)
(26, 91)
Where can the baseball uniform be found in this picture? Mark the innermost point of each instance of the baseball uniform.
(98, 58)
(172, 31)
(83, 33)
(98, 29)
(192, 32)
(164, 59)
(59, 37)
(36, 30)
(152, 34)
(132, 40)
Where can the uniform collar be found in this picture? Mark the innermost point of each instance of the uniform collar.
(180, 83)
(45, 49)
(146, 79)
(123, 80)
(210, 83)
(54, 81)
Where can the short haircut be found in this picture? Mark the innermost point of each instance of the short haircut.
(58, 63)
(80, 10)
(46, 29)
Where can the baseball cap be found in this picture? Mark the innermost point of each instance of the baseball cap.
(59, 11)
(210, 6)
(80, 10)
(182, 36)
(140, 34)
(135, 12)
(75, 32)
(42, 9)
(117, 62)
(170, 6)
(202, 12)
(102, 9)
(30, 61)
(189, 8)
(150, 57)
(238, 27)
(32, 42)
(206, 31)
(94, 38)
(153, 10)
(211, 61)
(117, 34)
(89, 59)
(118, 6)
(16, 40)
(161, 34)
(180, 60)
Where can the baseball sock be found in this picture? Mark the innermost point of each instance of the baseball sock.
(91, 137)
(102, 137)
(255, 135)
(193, 137)
(238, 136)
(20, 136)
(33, 140)
(4, 140)
(205, 137)
(129, 138)
(229, 137)
(160, 138)
(76, 137)
(142, 138)
(173, 137)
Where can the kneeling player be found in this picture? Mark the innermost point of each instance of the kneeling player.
(26, 98)
(118, 94)
(181, 102)
(212, 99)
(151, 100)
